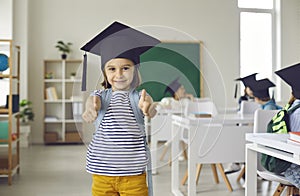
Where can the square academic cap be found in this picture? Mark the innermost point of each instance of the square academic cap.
(247, 79)
(291, 76)
(118, 41)
(173, 86)
(260, 88)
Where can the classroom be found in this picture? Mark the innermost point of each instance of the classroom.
(224, 40)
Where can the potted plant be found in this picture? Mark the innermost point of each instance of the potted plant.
(26, 112)
(72, 75)
(64, 48)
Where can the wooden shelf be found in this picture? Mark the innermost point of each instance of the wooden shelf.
(64, 109)
(10, 160)
(8, 76)
(6, 172)
(4, 111)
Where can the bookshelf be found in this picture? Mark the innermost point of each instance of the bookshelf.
(62, 101)
(9, 120)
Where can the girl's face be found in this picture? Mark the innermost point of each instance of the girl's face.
(180, 93)
(119, 72)
(249, 92)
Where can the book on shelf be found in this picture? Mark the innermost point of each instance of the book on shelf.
(294, 142)
(295, 136)
(77, 108)
(51, 118)
(51, 93)
(201, 115)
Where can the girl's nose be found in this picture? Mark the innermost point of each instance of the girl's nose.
(119, 72)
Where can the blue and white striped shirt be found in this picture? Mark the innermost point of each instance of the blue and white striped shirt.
(117, 147)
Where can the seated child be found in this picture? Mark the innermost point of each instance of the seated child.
(261, 95)
(291, 76)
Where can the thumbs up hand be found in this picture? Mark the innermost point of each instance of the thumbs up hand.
(92, 106)
(145, 104)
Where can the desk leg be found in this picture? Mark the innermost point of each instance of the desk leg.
(175, 163)
(154, 154)
(191, 164)
(251, 171)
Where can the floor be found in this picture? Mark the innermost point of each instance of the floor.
(60, 170)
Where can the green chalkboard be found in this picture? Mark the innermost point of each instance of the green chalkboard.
(167, 61)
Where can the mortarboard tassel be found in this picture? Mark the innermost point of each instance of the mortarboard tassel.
(235, 90)
(83, 83)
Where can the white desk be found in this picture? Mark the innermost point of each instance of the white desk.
(210, 140)
(271, 144)
(160, 130)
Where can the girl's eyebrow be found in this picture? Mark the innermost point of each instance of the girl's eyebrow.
(112, 65)
(126, 64)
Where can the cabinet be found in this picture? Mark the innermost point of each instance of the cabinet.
(62, 101)
(9, 120)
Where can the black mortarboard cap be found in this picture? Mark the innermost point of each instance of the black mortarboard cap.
(291, 76)
(173, 86)
(247, 79)
(118, 41)
(260, 88)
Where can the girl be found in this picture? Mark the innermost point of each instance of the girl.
(179, 97)
(291, 76)
(118, 155)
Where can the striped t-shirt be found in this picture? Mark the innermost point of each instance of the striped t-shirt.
(117, 147)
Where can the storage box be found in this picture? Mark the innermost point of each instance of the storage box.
(3, 130)
(4, 161)
(51, 137)
(73, 136)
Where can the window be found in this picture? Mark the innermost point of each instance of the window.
(257, 35)
(259, 4)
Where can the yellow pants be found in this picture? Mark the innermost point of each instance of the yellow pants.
(119, 185)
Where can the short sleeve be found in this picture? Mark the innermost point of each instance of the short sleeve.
(96, 93)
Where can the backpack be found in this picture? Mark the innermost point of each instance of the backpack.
(280, 123)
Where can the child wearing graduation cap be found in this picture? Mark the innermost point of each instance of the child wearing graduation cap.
(261, 95)
(291, 76)
(179, 96)
(118, 155)
(177, 90)
(248, 94)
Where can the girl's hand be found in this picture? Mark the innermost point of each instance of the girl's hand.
(92, 106)
(145, 104)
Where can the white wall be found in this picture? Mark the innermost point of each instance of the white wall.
(215, 22)
(20, 37)
(6, 19)
(291, 39)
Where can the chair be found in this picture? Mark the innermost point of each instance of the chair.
(261, 120)
(205, 106)
(249, 107)
(160, 128)
(210, 144)
(161, 123)
(201, 106)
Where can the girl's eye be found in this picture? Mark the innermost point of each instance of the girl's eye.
(111, 69)
(126, 68)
